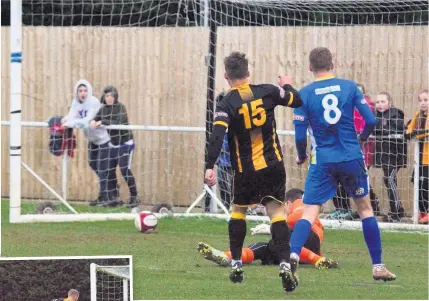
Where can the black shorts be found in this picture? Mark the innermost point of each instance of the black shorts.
(266, 252)
(260, 186)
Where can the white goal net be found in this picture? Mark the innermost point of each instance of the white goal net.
(110, 283)
(165, 59)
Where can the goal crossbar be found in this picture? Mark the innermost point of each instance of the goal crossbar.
(121, 271)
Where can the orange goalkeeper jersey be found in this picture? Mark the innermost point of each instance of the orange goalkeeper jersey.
(295, 212)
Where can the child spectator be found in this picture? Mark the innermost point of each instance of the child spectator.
(390, 150)
(121, 146)
(419, 129)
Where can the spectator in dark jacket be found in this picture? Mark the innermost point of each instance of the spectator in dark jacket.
(390, 150)
(121, 141)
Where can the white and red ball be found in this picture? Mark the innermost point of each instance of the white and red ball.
(146, 221)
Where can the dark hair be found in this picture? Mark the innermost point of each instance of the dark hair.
(236, 65)
(293, 194)
(81, 85)
(422, 115)
(321, 59)
(110, 89)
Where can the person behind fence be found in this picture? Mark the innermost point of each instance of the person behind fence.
(341, 200)
(390, 150)
(83, 109)
(224, 173)
(121, 146)
(418, 129)
(73, 295)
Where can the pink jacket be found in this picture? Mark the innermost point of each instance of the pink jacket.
(368, 147)
(359, 121)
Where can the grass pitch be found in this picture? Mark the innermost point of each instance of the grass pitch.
(167, 265)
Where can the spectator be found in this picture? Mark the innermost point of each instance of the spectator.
(390, 150)
(341, 200)
(83, 109)
(224, 173)
(121, 146)
(419, 129)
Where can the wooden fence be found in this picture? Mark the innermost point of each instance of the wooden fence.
(161, 76)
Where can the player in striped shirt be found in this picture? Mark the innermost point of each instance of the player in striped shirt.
(247, 111)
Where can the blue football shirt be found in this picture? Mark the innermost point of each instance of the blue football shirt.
(328, 112)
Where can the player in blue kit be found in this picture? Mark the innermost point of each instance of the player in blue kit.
(336, 156)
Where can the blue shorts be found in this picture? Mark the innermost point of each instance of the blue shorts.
(323, 179)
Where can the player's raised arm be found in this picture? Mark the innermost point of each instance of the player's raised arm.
(300, 120)
(365, 111)
(220, 125)
(285, 94)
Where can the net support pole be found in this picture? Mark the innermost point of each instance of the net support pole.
(416, 182)
(125, 286)
(206, 12)
(51, 190)
(15, 109)
(209, 20)
(93, 281)
(64, 173)
(213, 203)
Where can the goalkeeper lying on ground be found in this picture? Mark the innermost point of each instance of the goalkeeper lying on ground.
(265, 251)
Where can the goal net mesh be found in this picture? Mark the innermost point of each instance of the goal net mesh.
(110, 283)
(166, 60)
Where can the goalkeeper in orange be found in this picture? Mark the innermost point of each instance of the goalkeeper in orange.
(265, 252)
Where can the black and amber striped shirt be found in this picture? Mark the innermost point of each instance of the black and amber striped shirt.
(247, 111)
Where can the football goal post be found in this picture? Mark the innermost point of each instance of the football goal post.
(166, 60)
(110, 283)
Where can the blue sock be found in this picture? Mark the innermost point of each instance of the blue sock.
(371, 232)
(299, 235)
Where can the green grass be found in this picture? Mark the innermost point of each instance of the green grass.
(29, 207)
(167, 266)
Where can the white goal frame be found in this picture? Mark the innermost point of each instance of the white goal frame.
(94, 268)
(16, 125)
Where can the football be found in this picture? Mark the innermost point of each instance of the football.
(146, 222)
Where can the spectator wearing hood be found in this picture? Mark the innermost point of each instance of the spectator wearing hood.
(121, 146)
(83, 109)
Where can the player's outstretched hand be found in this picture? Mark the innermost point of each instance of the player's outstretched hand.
(210, 177)
(285, 80)
(301, 161)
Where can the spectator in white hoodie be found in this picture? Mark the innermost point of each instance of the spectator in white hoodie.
(83, 109)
